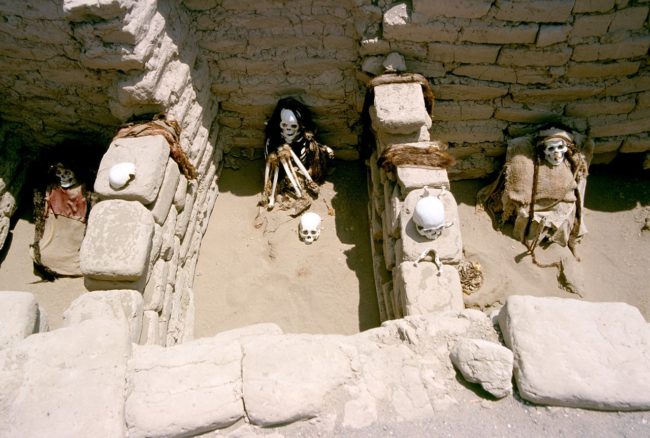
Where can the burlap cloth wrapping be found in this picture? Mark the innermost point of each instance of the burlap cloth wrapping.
(559, 191)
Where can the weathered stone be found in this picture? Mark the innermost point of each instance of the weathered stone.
(150, 326)
(468, 92)
(399, 108)
(123, 305)
(632, 18)
(117, 242)
(578, 354)
(609, 126)
(465, 53)
(590, 25)
(595, 70)
(184, 390)
(487, 72)
(563, 94)
(636, 144)
(550, 11)
(435, 9)
(631, 48)
(160, 207)
(585, 6)
(473, 131)
(410, 178)
(20, 316)
(154, 291)
(498, 33)
(552, 34)
(288, 378)
(522, 114)
(450, 111)
(448, 246)
(394, 62)
(628, 86)
(423, 288)
(60, 383)
(484, 362)
(150, 155)
(594, 107)
(534, 57)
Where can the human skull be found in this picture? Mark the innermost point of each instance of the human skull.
(288, 125)
(66, 176)
(429, 217)
(554, 150)
(309, 229)
(121, 174)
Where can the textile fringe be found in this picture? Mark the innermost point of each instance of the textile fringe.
(169, 129)
(403, 155)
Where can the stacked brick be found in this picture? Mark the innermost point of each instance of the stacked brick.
(413, 275)
(499, 66)
(146, 236)
(261, 50)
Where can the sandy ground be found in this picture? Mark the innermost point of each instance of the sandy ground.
(248, 275)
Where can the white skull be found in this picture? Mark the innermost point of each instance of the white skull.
(429, 217)
(121, 174)
(65, 175)
(309, 229)
(554, 150)
(288, 125)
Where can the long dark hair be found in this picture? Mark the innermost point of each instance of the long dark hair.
(273, 133)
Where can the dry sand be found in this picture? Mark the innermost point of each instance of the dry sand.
(247, 275)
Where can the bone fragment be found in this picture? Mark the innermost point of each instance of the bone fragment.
(287, 170)
(302, 168)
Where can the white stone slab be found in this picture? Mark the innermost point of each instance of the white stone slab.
(149, 154)
(117, 242)
(119, 304)
(20, 317)
(66, 383)
(400, 108)
(184, 390)
(287, 378)
(425, 289)
(448, 247)
(410, 178)
(578, 354)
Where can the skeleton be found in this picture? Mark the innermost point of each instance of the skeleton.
(429, 217)
(542, 186)
(65, 175)
(292, 151)
(309, 228)
(554, 149)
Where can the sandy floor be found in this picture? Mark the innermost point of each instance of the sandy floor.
(247, 275)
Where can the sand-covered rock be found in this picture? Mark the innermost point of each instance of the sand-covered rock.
(578, 354)
(484, 362)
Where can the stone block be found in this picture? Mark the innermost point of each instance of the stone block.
(448, 246)
(184, 390)
(628, 85)
(150, 326)
(484, 362)
(410, 178)
(434, 9)
(632, 18)
(385, 139)
(499, 33)
(154, 291)
(150, 155)
(451, 111)
(160, 207)
(522, 114)
(595, 107)
(563, 94)
(288, 378)
(168, 233)
(179, 196)
(117, 241)
(425, 289)
(578, 354)
(633, 47)
(636, 144)
(614, 126)
(534, 57)
(468, 92)
(471, 131)
(400, 108)
(20, 316)
(123, 305)
(543, 11)
(586, 6)
(550, 34)
(604, 146)
(590, 25)
(463, 53)
(69, 382)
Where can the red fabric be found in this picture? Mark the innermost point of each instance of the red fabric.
(68, 202)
